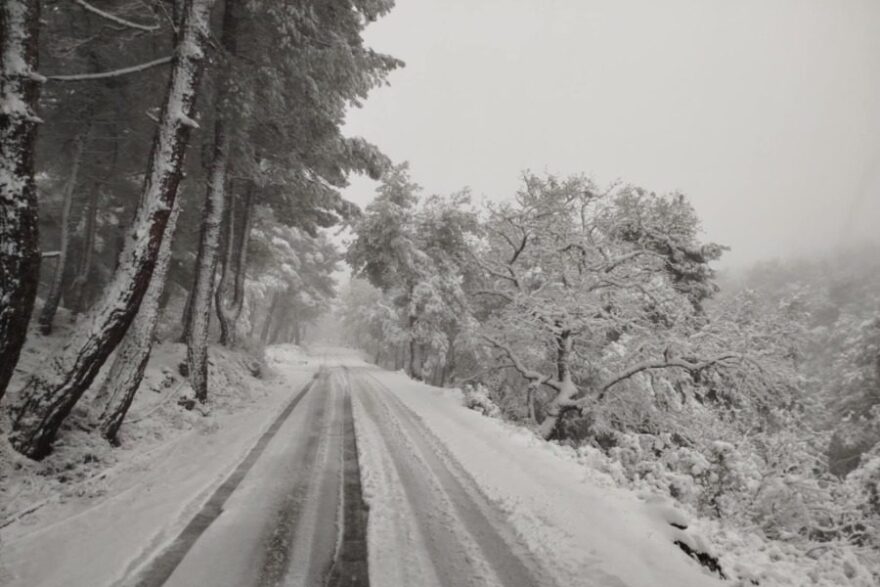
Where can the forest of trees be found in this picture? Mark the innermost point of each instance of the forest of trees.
(185, 158)
(594, 317)
(126, 125)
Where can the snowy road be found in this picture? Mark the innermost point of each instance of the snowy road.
(455, 499)
(283, 523)
(297, 517)
(445, 531)
(364, 478)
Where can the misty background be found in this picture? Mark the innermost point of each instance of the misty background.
(763, 113)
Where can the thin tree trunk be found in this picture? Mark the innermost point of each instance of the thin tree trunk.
(78, 288)
(236, 257)
(530, 403)
(186, 318)
(219, 293)
(212, 220)
(297, 328)
(53, 298)
(19, 219)
(449, 362)
(267, 323)
(133, 354)
(278, 325)
(242, 255)
(49, 396)
(412, 349)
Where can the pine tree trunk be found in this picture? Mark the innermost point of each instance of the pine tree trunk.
(223, 319)
(53, 298)
(186, 318)
(241, 263)
(212, 220)
(78, 288)
(228, 315)
(19, 219)
(49, 396)
(267, 323)
(448, 367)
(279, 323)
(133, 354)
(296, 327)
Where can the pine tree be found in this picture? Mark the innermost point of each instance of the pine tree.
(19, 253)
(49, 396)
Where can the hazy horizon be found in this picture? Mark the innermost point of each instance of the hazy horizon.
(764, 114)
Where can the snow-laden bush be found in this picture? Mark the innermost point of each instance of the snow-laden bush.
(476, 397)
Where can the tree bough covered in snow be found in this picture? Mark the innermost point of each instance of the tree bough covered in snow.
(582, 290)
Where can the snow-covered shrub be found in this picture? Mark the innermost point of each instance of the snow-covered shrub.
(476, 397)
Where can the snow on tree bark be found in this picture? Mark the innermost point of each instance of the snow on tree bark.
(133, 354)
(212, 220)
(49, 396)
(19, 222)
(47, 314)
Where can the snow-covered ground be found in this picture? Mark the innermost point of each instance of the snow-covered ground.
(576, 525)
(89, 522)
(455, 497)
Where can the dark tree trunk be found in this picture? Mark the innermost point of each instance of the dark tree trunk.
(554, 409)
(297, 328)
(133, 354)
(413, 370)
(53, 297)
(48, 397)
(186, 318)
(236, 257)
(78, 287)
(219, 292)
(212, 220)
(267, 323)
(279, 323)
(19, 219)
(449, 363)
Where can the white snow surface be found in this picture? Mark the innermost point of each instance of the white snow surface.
(94, 530)
(582, 527)
(568, 521)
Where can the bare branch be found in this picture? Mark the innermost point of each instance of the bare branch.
(489, 292)
(535, 378)
(118, 20)
(617, 261)
(79, 77)
(693, 367)
(511, 278)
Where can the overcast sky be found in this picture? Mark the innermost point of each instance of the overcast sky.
(766, 113)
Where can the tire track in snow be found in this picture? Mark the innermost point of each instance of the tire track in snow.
(160, 568)
(350, 562)
(287, 551)
(468, 540)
